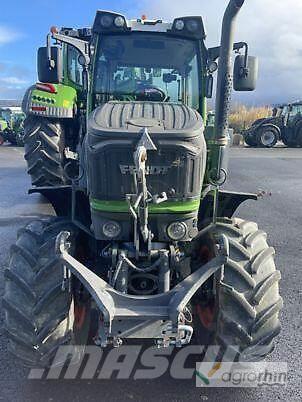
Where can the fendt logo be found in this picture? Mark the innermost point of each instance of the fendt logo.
(150, 170)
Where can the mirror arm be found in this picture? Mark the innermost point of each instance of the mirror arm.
(51, 62)
(214, 52)
(179, 90)
(81, 45)
(85, 79)
(245, 70)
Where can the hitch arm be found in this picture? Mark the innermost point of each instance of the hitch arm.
(116, 305)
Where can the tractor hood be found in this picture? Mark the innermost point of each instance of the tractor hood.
(174, 168)
(268, 120)
(129, 118)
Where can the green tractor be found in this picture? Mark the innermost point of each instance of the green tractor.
(11, 125)
(3, 127)
(144, 245)
(285, 125)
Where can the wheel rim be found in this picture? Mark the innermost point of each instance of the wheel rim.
(206, 315)
(268, 138)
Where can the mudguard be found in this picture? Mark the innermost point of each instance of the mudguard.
(274, 126)
(262, 123)
(3, 125)
(228, 202)
(56, 101)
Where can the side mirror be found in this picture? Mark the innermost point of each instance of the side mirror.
(245, 74)
(46, 73)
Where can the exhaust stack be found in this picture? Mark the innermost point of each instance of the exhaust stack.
(224, 88)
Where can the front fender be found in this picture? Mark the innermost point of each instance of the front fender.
(228, 202)
(275, 127)
(59, 104)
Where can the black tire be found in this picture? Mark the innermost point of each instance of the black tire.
(267, 137)
(44, 151)
(248, 293)
(20, 139)
(299, 133)
(289, 142)
(250, 140)
(39, 315)
(11, 137)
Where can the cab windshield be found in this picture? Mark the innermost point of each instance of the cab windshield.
(278, 112)
(147, 67)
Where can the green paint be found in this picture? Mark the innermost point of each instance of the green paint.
(167, 207)
(65, 97)
(3, 124)
(204, 109)
(203, 378)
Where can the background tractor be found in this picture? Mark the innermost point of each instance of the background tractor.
(285, 124)
(3, 127)
(144, 245)
(11, 125)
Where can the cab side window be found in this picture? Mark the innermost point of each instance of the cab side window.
(295, 110)
(193, 84)
(74, 68)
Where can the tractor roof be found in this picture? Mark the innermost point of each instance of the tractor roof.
(80, 33)
(297, 103)
(107, 22)
(12, 109)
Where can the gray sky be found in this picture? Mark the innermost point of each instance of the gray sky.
(273, 29)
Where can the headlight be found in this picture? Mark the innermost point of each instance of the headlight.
(177, 230)
(179, 25)
(106, 21)
(119, 22)
(190, 27)
(111, 229)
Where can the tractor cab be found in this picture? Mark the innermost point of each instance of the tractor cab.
(278, 111)
(5, 114)
(11, 124)
(145, 132)
(148, 61)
